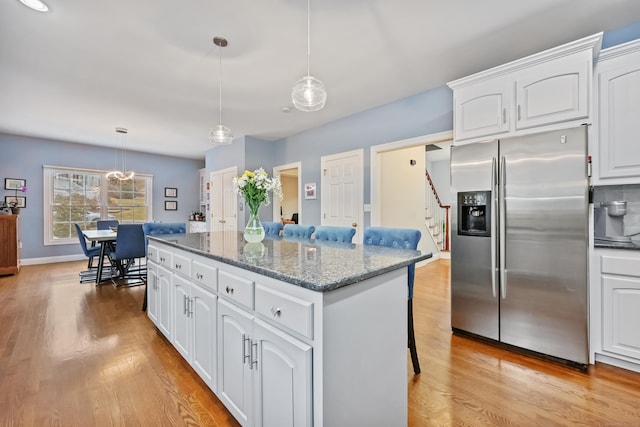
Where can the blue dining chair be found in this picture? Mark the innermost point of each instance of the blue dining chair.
(272, 228)
(334, 234)
(107, 224)
(400, 238)
(91, 253)
(130, 246)
(298, 231)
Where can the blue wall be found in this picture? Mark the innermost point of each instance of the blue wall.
(621, 35)
(23, 157)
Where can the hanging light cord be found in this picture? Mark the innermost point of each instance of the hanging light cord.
(220, 86)
(308, 36)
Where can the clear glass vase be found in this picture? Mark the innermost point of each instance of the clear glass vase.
(254, 231)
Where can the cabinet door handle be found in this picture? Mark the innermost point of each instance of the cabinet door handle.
(276, 311)
(254, 359)
(191, 300)
(504, 115)
(245, 356)
(518, 111)
(184, 304)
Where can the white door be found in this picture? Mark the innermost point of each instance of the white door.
(181, 316)
(203, 316)
(224, 200)
(342, 199)
(234, 364)
(282, 380)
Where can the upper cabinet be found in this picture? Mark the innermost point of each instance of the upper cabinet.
(540, 92)
(616, 150)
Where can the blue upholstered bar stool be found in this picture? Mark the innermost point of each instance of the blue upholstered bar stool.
(401, 238)
(299, 231)
(334, 234)
(272, 228)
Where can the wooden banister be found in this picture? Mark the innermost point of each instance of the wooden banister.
(447, 207)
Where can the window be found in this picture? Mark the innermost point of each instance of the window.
(85, 196)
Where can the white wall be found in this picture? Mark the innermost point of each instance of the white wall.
(402, 192)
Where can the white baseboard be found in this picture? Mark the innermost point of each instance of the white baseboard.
(51, 260)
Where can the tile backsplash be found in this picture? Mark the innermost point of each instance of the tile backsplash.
(629, 193)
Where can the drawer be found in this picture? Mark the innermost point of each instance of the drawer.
(181, 263)
(286, 310)
(165, 258)
(236, 288)
(152, 253)
(204, 274)
(619, 265)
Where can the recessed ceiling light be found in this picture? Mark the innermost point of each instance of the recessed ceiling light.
(35, 5)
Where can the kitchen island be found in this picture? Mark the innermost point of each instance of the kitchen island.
(287, 333)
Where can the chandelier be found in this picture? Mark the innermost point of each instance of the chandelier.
(122, 175)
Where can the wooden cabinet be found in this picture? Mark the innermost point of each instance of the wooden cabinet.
(618, 283)
(617, 154)
(9, 244)
(544, 91)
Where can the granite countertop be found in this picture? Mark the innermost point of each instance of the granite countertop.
(319, 266)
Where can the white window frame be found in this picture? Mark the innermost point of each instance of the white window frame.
(48, 171)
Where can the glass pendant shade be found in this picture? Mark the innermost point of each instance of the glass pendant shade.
(220, 135)
(309, 94)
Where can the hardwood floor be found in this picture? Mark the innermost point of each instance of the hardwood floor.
(75, 354)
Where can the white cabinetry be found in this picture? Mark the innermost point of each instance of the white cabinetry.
(544, 91)
(617, 157)
(159, 288)
(617, 280)
(283, 355)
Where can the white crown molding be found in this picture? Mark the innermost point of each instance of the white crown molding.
(620, 50)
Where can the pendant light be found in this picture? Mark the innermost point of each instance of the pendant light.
(220, 135)
(309, 93)
(122, 175)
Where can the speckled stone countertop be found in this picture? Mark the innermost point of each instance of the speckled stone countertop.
(315, 265)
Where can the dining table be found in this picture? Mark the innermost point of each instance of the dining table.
(105, 238)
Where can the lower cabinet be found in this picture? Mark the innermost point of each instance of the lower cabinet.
(265, 374)
(619, 282)
(194, 332)
(159, 298)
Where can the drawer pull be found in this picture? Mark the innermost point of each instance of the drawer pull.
(229, 290)
(276, 311)
(199, 276)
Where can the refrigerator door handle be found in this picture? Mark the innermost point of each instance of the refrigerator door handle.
(494, 207)
(503, 227)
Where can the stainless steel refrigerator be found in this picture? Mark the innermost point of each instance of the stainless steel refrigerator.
(519, 242)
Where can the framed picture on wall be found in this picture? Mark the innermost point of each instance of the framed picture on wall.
(21, 202)
(14, 183)
(310, 191)
(170, 192)
(170, 205)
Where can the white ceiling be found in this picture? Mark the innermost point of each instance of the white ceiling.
(86, 67)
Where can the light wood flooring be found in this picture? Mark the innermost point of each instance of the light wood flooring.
(76, 354)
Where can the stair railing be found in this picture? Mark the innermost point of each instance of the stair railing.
(437, 214)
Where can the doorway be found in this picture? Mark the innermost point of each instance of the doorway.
(290, 207)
